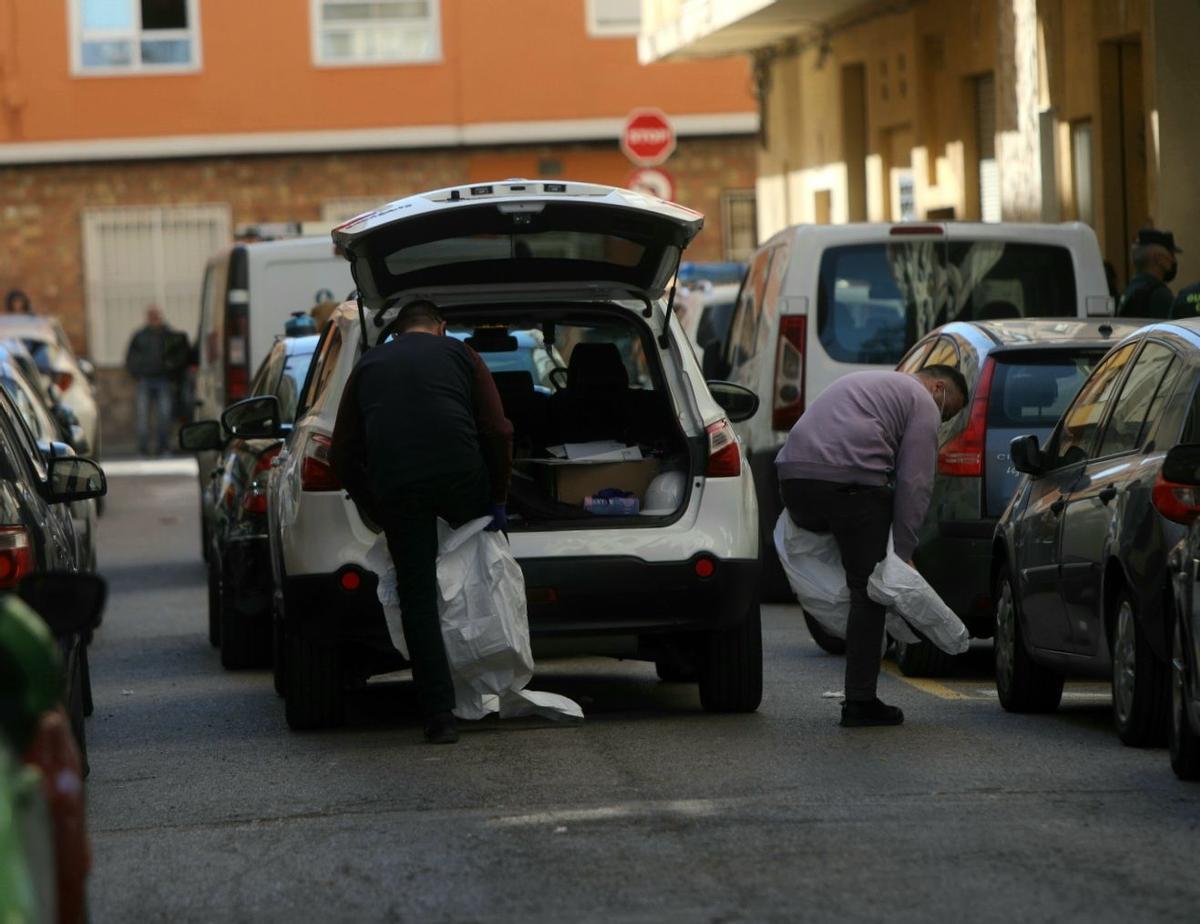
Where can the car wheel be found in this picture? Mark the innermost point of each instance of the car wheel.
(214, 602)
(75, 712)
(1139, 681)
(85, 675)
(205, 534)
(1184, 740)
(314, 696)
(825, 640)
(922, 659)
(245, 637)
(731, 672)
(1022, 684)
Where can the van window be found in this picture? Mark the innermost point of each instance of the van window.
(744, 333)
(874, 301)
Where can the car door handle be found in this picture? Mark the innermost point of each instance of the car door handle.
(1058, 505)
(1107, 494)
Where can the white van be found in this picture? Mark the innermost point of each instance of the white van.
(820, 301)
(249, 292)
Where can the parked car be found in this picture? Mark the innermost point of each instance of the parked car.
(1080, 556)
(676, 582)
(60, 367)
(1022, 374)
(820, 301)
(1178, 490)
(235, 504)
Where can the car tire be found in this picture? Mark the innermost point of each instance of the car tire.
(314, 696)
(85, 676)
(1140, 685)
(75, 712)
(922, 659)
(1184, 741)
(1022, 684)
(245, 637)
(214, 602)
(731, 672)
(205, 534)
(825, 640)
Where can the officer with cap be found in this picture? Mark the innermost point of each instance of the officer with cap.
(1187, 302)
(1154, 265)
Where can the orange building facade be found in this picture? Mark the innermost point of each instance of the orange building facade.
(176, 125)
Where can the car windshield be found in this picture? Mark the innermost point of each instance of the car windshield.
(295, 370)
(874, 301)
(1031, 391)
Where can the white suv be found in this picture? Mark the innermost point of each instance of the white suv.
(561, 287)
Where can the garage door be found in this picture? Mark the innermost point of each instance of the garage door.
(134, 257)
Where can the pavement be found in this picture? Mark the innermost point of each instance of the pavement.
(203, 806)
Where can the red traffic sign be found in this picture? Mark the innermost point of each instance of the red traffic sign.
(651, 182)
(648, 138)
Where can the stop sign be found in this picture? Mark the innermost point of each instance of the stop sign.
(648, 138)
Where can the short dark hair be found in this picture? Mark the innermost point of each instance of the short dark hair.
(948, 374)
(420, 313)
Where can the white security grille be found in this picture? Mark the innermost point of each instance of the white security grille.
(135, 257)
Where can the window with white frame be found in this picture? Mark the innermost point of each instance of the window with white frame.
(349, 32)
(134, 36)
(607, 18)
(739, 224)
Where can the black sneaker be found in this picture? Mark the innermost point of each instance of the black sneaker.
(862, 713)
(441, 729)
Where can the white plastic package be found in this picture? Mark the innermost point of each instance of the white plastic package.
(813, 566)
(485, 626)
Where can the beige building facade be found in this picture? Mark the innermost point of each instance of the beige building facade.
(1013, 110)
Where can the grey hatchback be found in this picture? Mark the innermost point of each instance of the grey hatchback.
(1022, 375)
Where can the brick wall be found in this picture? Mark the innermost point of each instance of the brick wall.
(41, 248)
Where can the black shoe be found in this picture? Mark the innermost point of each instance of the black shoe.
(861, 713)
(441, 729)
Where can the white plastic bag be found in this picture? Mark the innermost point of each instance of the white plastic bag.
(813, 566)
(485, 627)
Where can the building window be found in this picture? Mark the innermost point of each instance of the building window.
(611, 18)
(134, 36)
(739, 224)
(356, 32)
(1081, 170)
(987, 167)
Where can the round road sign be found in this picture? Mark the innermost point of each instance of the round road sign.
(648, 138)
(657, 183)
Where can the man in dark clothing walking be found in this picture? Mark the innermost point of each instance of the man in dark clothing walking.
(860, 464)
(421, 434)
(155, 358)
(1154, 265)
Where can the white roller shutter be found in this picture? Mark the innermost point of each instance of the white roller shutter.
(134, 257)
(989, 169)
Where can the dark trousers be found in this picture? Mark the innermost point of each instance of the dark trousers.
(860, 518)
(410, 523)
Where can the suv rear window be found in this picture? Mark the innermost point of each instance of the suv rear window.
(1032, 390)
(874, 301)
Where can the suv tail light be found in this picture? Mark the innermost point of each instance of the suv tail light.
(962, 456)
(1177, 502)
(316, 467)
(16, 555)
(724, 452)
(237, 352)
(788, 391)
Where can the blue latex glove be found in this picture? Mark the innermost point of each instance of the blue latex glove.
(499, 522)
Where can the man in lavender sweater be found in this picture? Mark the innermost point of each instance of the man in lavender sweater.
(860, 464)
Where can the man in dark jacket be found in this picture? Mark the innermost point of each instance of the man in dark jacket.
(421, 434)
(155, 358)
(1154, 264)
(860, 464)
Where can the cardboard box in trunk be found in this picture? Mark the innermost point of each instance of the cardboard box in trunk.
(570, 482)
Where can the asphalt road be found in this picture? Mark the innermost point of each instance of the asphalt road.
(203, 806)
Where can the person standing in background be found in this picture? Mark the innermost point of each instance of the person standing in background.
(17, 302)
(155, 361)
(1154, 264)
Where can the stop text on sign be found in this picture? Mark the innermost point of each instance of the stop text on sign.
(648, 137)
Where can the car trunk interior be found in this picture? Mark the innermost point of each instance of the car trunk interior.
(596, 439)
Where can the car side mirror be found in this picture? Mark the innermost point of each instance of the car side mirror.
(74, 479)
(739, 403)
(201, 436)
(1027, 456)
(254, 418)
(713, 364)
(1182, 465)
(71, 602)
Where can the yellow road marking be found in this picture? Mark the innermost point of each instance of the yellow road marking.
(932, 687)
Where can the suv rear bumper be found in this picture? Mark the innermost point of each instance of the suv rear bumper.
(593, 595)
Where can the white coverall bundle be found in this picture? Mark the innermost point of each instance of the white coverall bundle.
(813, 566)
(485, 625)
